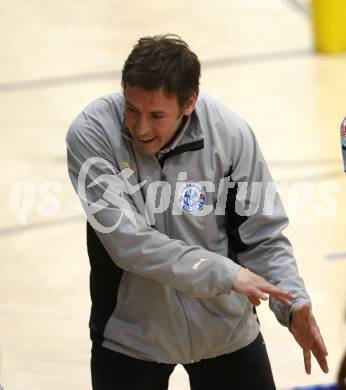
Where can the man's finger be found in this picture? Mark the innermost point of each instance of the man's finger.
(307, 360)
(263, 286)
(260, 294)
(254, 300)
(320, 352)
(283, 297)
(277, 292)
(322, 361)
(286, 302)
(318, 343)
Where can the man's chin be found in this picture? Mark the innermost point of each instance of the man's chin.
(147, 150)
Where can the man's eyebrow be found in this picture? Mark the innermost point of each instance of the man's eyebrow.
(131, 105)
(158, 112)
(152, 112)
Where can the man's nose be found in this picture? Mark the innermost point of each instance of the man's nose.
(142, 127)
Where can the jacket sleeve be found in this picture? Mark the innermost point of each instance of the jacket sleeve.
(256, 219)
(132, 244)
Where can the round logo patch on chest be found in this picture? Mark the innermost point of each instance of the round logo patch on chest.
(192, 197)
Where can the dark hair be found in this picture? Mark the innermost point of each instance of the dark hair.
(163, 61)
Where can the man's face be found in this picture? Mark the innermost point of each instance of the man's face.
(153, 118)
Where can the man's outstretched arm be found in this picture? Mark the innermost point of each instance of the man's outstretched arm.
(265, 253)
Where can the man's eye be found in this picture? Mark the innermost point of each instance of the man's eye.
(157, 116)
(131, 110)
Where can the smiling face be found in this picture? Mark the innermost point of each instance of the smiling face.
(153, 118)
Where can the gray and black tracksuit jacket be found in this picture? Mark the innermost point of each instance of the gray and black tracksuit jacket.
(161, 287)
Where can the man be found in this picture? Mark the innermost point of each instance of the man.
(342, 369)
(184, 233)
(343, 141)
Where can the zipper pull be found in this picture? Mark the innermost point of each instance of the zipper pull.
(163, 174)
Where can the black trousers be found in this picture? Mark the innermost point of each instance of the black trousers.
(246, 369)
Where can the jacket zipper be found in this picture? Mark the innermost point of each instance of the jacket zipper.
(188, 326)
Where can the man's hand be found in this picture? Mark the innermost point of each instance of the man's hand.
(307, 334)
(257, 288)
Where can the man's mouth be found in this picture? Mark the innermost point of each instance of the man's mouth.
(146, 139)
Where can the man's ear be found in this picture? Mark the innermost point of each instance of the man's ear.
(190, 105)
